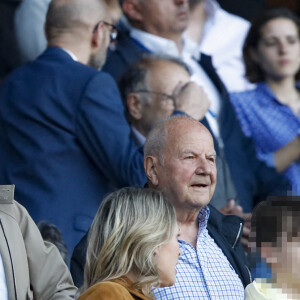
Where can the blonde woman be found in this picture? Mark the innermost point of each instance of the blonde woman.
(133, 246)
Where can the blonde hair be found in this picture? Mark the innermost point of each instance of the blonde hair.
(129, 225)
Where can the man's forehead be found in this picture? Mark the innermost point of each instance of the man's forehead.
(189, 138)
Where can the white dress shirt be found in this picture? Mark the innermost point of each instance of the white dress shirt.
(160, 45)
(223, 38)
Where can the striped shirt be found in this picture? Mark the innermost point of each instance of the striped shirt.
(270, 123)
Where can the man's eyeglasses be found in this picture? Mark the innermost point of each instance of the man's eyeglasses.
(163, 96)
(112, 29)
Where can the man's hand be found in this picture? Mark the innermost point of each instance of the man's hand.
(191, 99)
(232, 209)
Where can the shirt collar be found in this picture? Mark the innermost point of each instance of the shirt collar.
(154, 43)
(203, 218)
(71, 54)
(138, 135)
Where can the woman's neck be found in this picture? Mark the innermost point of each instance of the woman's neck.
(286, 92)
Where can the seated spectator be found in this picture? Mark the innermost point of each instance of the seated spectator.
(152, 88)
(180, 161)
(133, 246)
(275, 238)
(52, 234)
(215, 32)
(270, 114)
(29, 266)
(244, 178)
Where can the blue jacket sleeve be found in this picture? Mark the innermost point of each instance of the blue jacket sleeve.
(104, 133)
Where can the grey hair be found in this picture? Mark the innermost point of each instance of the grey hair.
(135, 77)
(129, 225)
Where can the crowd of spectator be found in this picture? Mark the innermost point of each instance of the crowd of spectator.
(137, 137)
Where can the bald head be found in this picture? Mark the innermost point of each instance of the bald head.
(180, 160)
(73, 18)
(168, 130)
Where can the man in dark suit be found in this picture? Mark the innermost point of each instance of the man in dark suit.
(64, 140)
(157, 27)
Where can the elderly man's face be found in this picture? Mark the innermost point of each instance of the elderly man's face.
(164, 17)
(188, 174)
(162, 80)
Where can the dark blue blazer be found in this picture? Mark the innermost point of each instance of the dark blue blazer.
(252, 179)
(64, 141)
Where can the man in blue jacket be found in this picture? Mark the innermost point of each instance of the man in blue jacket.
(64, 140)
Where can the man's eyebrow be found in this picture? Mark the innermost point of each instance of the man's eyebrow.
(212, 154)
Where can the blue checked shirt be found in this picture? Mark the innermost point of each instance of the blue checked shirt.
(271, 124)
(203, 273)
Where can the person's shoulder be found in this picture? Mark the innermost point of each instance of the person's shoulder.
(107, 290)
(233, 20)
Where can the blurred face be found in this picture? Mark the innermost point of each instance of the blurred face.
(285, 260)
(164, 18)
(188, 173)
(162, 79)
(166, 258)
(278, 51)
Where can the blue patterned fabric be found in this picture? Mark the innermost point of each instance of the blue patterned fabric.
(205, 272)
(271, 124)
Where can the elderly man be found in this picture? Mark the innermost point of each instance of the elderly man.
(180, 161)
(64, 140)
(151, 91)
(241, 175)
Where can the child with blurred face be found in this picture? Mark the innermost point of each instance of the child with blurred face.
(275, 238)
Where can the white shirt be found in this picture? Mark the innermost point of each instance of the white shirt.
(160, 45)
(3, 286)
(223, 38)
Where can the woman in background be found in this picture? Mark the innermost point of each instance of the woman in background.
(270, 114)
(133, 246)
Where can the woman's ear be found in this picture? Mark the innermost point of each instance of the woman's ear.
(156, 252)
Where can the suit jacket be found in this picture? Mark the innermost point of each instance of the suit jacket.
(64, 141)
(113, 290)
(29, 262)
(252, 179)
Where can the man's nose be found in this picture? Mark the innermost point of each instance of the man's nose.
(204, 166)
